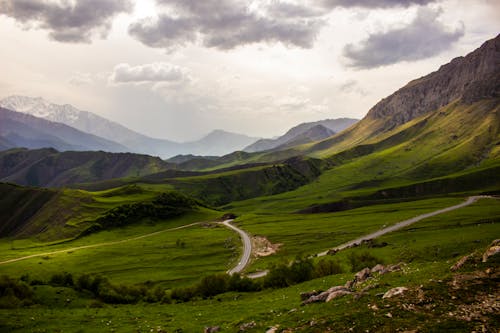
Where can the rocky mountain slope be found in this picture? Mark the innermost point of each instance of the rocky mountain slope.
(464, 81)
(333, 125)
(23, 130)
(217, 142)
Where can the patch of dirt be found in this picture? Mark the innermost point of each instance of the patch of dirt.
(262, 247)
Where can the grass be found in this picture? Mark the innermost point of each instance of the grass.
(282, 306)
(158, 258)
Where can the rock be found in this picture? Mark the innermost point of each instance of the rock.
(213, 329)
(493, 249)
(332, 252)
(317, 298)
(377, 268)
(273, 329)
(362, 275)
(388, 315)
(395, 292)
(308, 294)
(461, 262)
(338, 293)
(392, 268)
(350, 284)
(246, 326)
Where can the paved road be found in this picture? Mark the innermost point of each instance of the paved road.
(403, 224)
(247, 248)
(97, 245)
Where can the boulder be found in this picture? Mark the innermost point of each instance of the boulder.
(338, 293)
(213, 329)
(377, 268)
(395, 292)
(308, 294)
(247, 326)
(362, 275)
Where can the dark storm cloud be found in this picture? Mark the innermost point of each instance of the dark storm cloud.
(72, 22)
(373, 3)
(225, 24)
(424, 37)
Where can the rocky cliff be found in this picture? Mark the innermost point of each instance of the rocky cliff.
(468, 79)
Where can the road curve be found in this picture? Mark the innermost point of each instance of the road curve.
(97, 245)
(247, 248)
(403, 224)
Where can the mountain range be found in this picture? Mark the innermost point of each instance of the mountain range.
(303, 133)
(218, 142)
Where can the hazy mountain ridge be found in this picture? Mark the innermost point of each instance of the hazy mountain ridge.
(334, 125)
(23, 130)
(217, 142)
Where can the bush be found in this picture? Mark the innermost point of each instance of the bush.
(326, 267)
(213, 285)
(277, 277)
(361, 260)
(62, 279)
(14, 293)
(301, 270)
(182, 294)
(237, 283)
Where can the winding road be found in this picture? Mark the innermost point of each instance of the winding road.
(403, 224)
(247, 244)
(247, 248)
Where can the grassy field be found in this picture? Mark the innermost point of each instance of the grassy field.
(172, 257)
(429, 248)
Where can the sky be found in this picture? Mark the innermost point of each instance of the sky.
(177, 69)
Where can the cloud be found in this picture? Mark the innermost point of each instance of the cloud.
(158, 72)
(68, 22)
(227, 24)
(423, 38)
(373, 3)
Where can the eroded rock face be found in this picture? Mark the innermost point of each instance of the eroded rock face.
(362, 275)
(467, 79)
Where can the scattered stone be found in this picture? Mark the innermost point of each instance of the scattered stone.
(374, 307)
(395, 292)
(332, 252)
(308, 294)
(362, 275)
(388, 315)
(350, 284)
(246, 326)
(212, 329)
(337, 294)
(273, 329)
(461, 262)
(392, 268)
(377, 268)
(493, 249)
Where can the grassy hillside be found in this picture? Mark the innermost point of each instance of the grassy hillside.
(49, 168)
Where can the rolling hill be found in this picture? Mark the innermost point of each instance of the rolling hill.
(50, 168)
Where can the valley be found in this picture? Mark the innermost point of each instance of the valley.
(390, 223)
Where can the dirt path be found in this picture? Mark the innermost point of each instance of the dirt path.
(98, 244)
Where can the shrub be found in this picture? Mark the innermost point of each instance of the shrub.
(326, 267)
(301, 270)
(361, 260)
(183, 294)
(14, 293)
(213, 285)
(277, 277)
(62, 279)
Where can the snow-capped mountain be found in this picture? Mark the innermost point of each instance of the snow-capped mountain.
(216, 143)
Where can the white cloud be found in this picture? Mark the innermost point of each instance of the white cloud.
(158, 72)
